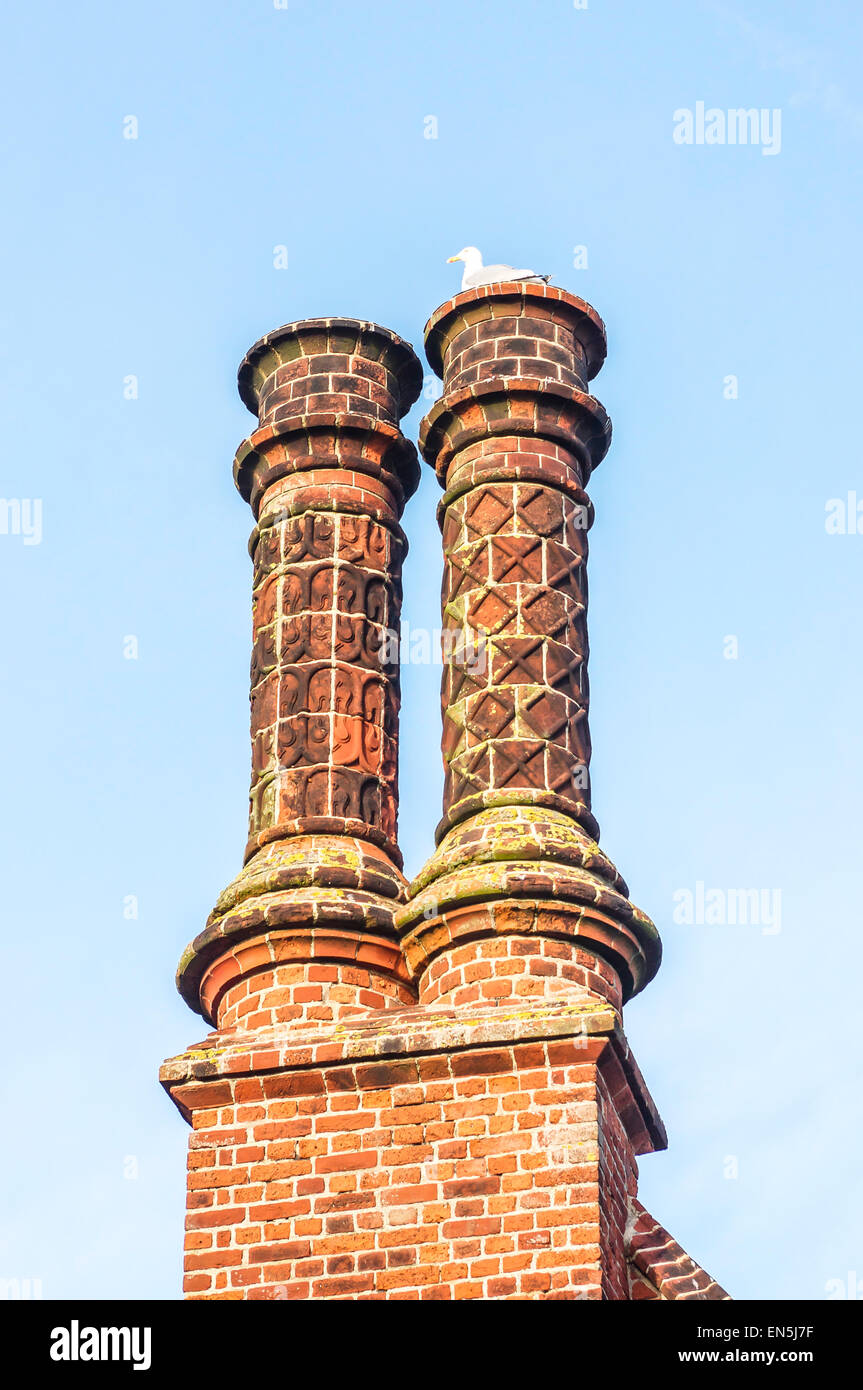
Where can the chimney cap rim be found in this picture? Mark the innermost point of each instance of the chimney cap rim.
(576, 308)
(407, 365)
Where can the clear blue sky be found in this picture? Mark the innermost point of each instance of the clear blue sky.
(153, 257)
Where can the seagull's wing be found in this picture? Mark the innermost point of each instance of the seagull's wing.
(491, 274)
(531, 277)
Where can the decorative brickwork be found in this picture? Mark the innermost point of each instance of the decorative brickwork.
(514, 439)
(327, 474)
(422, 1093)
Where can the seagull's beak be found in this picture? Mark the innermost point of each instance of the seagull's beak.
(450, 259)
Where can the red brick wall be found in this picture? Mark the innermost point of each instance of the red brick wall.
(499, 1173)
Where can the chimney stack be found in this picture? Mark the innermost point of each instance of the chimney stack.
(422, 1094)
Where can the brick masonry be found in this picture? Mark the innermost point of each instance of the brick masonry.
(306, 930)
(422, 1091)
(434, 1154)
(513, 440)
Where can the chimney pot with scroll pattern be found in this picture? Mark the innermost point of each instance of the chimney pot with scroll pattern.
(327, 473)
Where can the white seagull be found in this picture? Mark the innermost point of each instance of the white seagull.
(475, 273)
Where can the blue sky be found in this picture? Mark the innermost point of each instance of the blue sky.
(304, 127)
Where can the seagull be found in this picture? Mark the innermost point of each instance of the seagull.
(475, 273)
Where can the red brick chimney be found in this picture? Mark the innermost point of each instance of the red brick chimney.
(518, 902)
(423, 1094)
(305, 931)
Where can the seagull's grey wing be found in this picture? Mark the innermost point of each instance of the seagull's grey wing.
(531, 277)
(492, 274)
